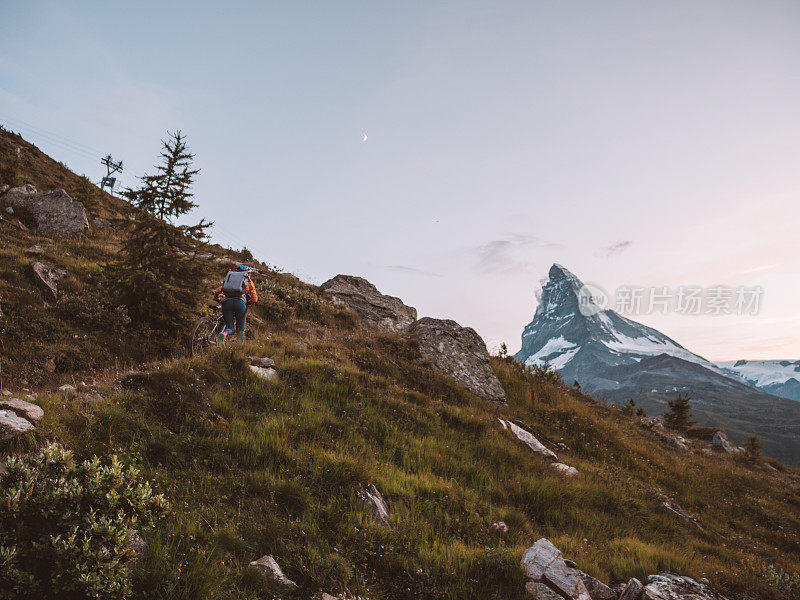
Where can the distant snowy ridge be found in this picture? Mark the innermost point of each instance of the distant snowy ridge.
(763, 372)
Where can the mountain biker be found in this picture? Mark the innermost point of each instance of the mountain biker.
(236, 301)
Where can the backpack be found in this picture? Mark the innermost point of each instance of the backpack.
(235, 284)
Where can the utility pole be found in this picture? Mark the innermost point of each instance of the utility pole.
(111, 167)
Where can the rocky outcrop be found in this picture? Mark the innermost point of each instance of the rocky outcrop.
(460, 353)
(375, 309)
(54, 212)
(528, 438)
(669, 586)
(24, 409)
(550, 577)
(269, 569)
(12, 425)
(543, 563)
(46, 279)
(372, 497)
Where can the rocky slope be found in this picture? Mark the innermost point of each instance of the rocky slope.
(615, 358)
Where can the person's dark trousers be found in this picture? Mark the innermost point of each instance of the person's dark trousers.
(234, 311)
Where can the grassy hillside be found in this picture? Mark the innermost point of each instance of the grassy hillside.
(254, 467)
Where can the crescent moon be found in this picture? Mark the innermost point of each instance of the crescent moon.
(364, 139)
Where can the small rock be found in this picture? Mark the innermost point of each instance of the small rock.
(529, 439)
(35, 249)
(12, 425)
(677, 442)
(596, 588)
(21, 408)
(9, 210)
(669, 586)
(5, 393)
(380, 512)
(89, 397)
(268, 373)
(565, 470)
(720, 442)
(543, 563)
(139, 547)
(707, 451)
(66, 388)
(632, 591)
(268, 568)
(262, 362)
(47, 278)
(539, 591)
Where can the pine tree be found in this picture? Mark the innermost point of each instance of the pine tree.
(629, 408)
(159, 277)
(679, 415)
(752, 447)
(167, 194)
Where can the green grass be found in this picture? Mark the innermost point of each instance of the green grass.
(253, 467)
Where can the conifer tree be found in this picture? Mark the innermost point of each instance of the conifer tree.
(160, 280)
(752, 447)
(679, 415)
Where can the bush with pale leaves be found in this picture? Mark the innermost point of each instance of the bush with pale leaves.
(66, 526)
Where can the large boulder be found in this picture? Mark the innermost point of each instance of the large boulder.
(375, 309)
(47, 278)
(54, 212)
(460, 353)
(669, 586)
(543, 563)
(12, 425)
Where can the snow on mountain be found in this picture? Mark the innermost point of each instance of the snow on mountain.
(763, 372)
(776, 377)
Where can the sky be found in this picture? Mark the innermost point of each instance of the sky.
(637, 144)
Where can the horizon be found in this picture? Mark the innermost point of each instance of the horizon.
(639, 146)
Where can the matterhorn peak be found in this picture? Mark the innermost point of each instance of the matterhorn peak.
(558, 272)
(573, 333)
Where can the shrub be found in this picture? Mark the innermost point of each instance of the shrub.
(66, 527)
(546, 373)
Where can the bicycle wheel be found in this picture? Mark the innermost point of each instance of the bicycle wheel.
(206, 334)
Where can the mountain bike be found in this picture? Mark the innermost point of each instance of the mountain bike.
(207, 331)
